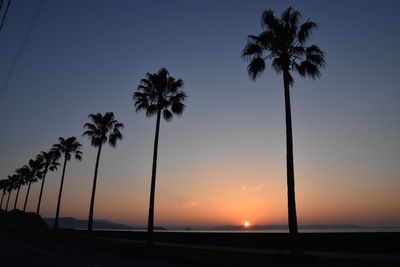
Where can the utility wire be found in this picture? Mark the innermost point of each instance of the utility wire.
(1, 4)
(21, 47)
(5, 13)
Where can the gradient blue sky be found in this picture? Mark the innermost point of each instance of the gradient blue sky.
(223, 161)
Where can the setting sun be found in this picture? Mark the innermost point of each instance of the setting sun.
(246, 224)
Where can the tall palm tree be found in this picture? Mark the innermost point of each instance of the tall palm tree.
(32, 176)
(49, 160)
(10, 187)
(102, 129)
(66, 147)
(3, 187)
(283, 42)
(158, 94)
(15, 181)
(22, 173)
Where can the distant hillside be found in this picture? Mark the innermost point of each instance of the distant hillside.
(284, 227)
(69, 222)
(72, 223)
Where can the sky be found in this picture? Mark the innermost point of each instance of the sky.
(223, 161)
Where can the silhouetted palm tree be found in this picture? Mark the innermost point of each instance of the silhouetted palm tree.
(10, 187)
(102, 129)
(3, 187)
(49, 161)
(22, 173)
(283, 42)
(159, 93)
(34, 167)
(65, 147)
(15, 180)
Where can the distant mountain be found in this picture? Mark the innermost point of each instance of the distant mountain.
(69, 222)
(279, 227)
(72, 223)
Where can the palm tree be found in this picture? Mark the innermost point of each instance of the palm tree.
(3, 187)
(22, 173)
(65, 147)
(15, 180)
(9, 188)
(283, 42)
(159, 93)
(34, 167)
(49, 160)
(102, 129)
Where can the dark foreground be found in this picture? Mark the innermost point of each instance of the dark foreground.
(376, 243)
(72, 248)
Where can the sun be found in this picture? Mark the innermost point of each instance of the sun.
(246, 224)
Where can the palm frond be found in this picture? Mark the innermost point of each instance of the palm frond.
(151, 110)
(177, 108)
(78, 155)
(167, 115)
(268, 19)
(256, 67)
(306, 68)
(290, 79)
(252, 50)
(305, 31)
(90, 126)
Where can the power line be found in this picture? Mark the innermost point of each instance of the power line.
(21, 47)
(5, 13)
(1, 5)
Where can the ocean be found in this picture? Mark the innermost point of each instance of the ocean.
(309, 230)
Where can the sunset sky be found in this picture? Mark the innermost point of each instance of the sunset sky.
(223, 161)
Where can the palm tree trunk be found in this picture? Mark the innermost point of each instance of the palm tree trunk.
(16, 198)
(59, 194)
(27, 194)
(8, 199)
(41, 191)
(150, 225)
(292, 217)
(2, 197)
(90, 222)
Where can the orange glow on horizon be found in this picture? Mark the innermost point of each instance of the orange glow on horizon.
(246, 224)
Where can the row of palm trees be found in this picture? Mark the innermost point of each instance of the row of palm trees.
(159, 94)
(35, 170)
(101, 129)
(282, 41)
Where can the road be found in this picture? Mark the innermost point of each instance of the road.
(46, 250)
(35, 252)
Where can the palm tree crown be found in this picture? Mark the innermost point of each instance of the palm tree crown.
(3, 184)
(104, 128)
(159, 92)
(11, 182)
(283, 42)
(23, 173)
(68, 147)
(49, 160)
(14, 181)
(33, 170)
